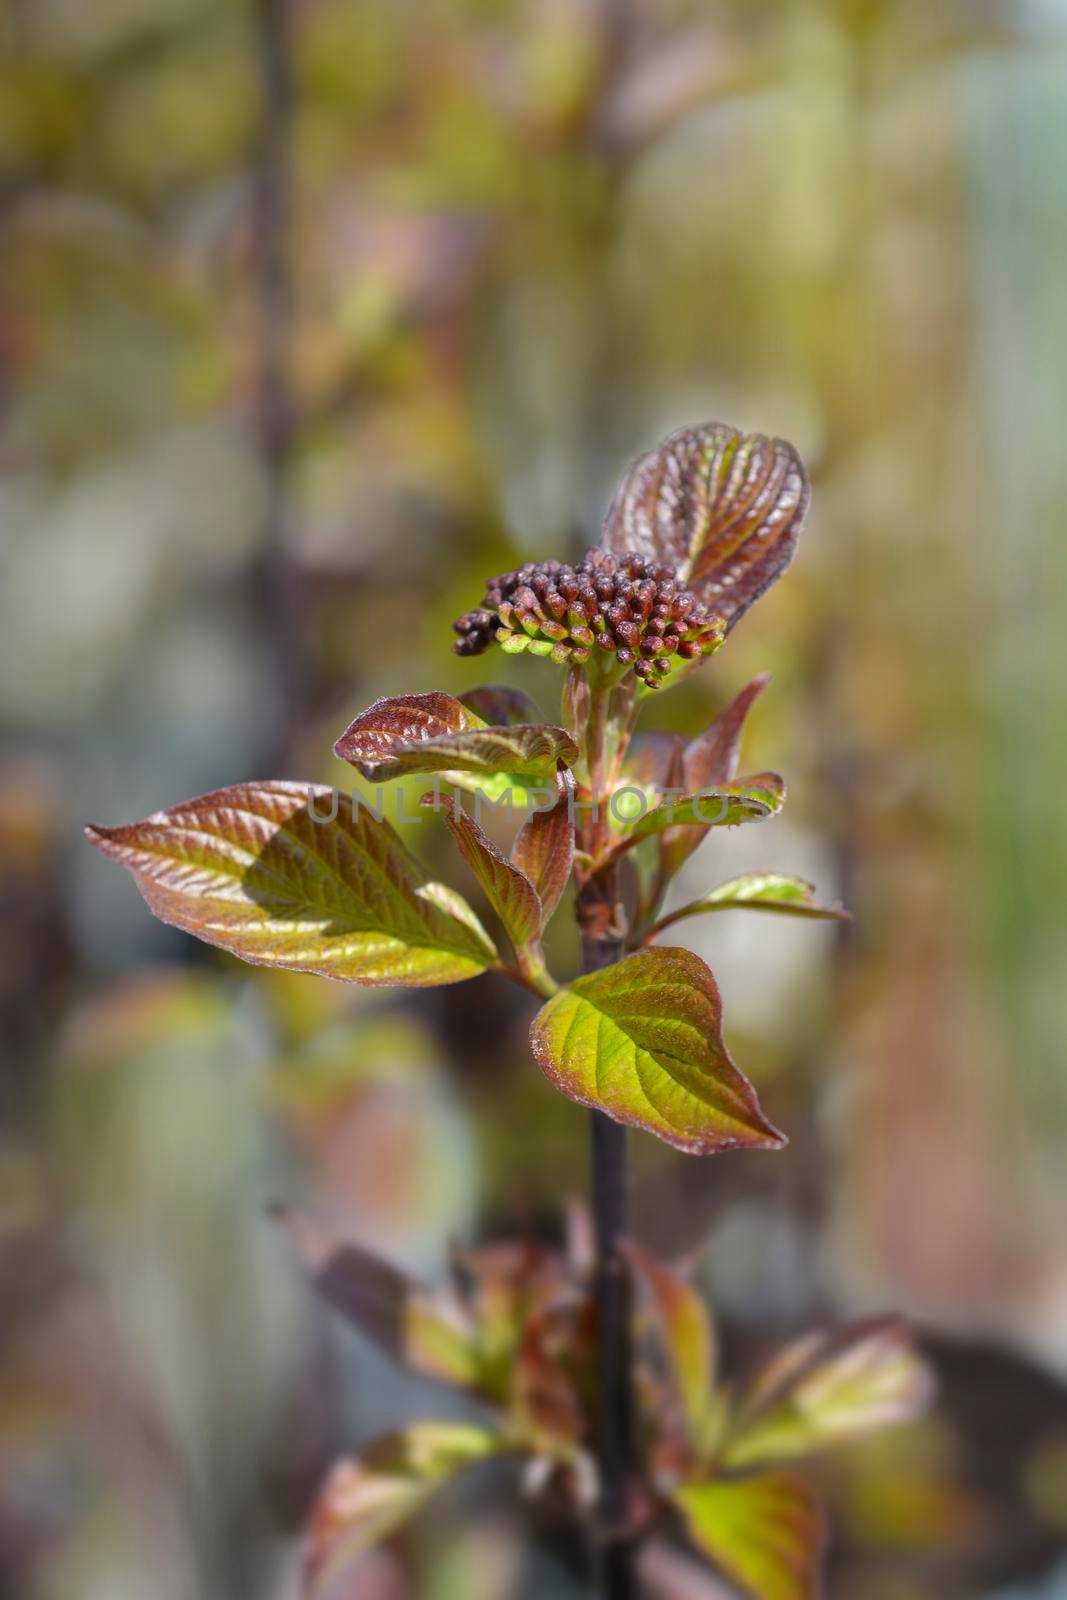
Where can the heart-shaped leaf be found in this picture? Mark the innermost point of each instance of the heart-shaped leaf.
(746, 800)
(365, 1497)
(756, 891)
(252, 870)
(828, 1388)
(508, 890)
(435, 733)
(688, 1336)
(642, 1041)
(544, 851)
(767, 1533)
(724, 509)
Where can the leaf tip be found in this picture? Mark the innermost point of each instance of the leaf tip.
(101, 838)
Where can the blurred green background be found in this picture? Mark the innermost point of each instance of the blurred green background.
(311, 317)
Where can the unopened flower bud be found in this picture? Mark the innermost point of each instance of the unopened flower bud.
(638, 609)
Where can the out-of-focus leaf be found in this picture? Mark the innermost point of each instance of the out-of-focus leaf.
(642, 1041)
(500, 1287)
(757, 891)
(667, 1574)
(556, 1352)
(767, 1533)
(747, 800)
(400, 1316)
(498, 704)
(249, 869)
(365, 1497)
(435, 733)
(688, 1337)
(828, 1388)
(724, 509)
(508, 890)
(544, 851)
(654, 762)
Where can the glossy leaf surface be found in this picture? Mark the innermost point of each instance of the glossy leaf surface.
(724, 509)
(642, 1041)
(831, 1387)
(767, 1533)
(249, 869)
(435, 733)
(366, 1497)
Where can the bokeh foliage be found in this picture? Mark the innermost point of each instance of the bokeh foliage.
(523, 241)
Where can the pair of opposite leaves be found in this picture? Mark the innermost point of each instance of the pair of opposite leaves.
(251, 869)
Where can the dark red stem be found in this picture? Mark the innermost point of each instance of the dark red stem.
(598, 920)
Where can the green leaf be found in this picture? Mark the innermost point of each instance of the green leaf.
(642, 1041)
(508, 890)
(544, 851)
(502, 791)
(435, 733)
(722, 508)
(766, 1533)
(829, 1388)
(757, 891)
(250, 869)
(747, 800)
(688, 1337)
(366, 1497)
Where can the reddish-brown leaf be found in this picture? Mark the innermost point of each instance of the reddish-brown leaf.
(711, 758)
(724, 509)
(654, 761)
(507, 888)
(499, 704)
(714, 755)
(544, 851)
(427, 1332)
(435, 733)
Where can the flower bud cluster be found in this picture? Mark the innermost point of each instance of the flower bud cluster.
(637, 610)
